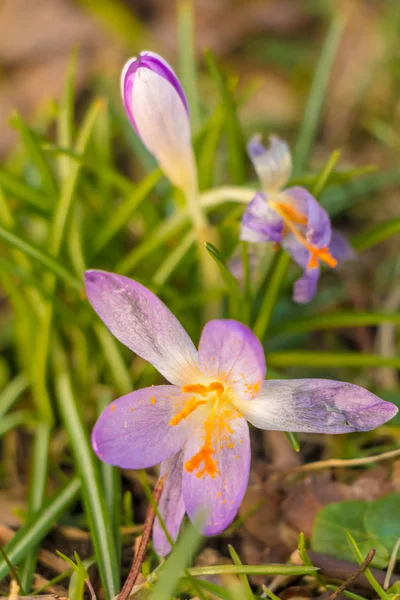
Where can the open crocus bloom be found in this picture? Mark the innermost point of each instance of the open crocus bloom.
(197, 426)
(291, 217)
(157, 108)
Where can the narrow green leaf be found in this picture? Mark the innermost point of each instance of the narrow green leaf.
(18, 188)
(294, 440)
(236, 148)
(173, 259)
(64, 206)
(125, 211)
(246, 589)
(37, 487)
(65, 125)
(37, 527)
(330, 359)
(187, 59)
(309, 125)
(367, 572)
(278, 271)
(93, 496)
(42, 257)
(346, 593)
(112, 353)
(36, 154)
(377, 234)
(16, 419)
(176, 563)
(325, 173)
(339, 319)
(235, 294)
(12, 392)
(252, 570)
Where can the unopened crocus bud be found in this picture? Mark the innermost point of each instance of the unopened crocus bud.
(158, 111)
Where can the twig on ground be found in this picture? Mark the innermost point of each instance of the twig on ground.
(141, 551)
(368, 559)
(342, 462)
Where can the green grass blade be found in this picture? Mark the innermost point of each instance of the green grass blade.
(36, 154)
(187, 59)
(236, 147)
(65, 203)
(85, 463)
(330, 359)
(246, 589)
(15, 419)
(173, 259)
(111, 349)
(42, 257)
(38, 526)
(12, 392)
(235, 294)
(309, 125)
(125, 212)
(278, 272)
(65, 124)
(339, 319)
(377, 234)
(367, 572)
(325, 173)
(37, 487)
(252, 570)
(176, 564)
(18, 188)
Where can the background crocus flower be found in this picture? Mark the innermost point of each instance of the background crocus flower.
(291, 217)
(158, 111)
(197, 426)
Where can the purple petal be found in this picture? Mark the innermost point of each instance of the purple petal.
(171, 505)
(305, 288)
(273, 165)
(316, 406)
(340, 247)
(142, 322)
(260, 223)
(218, 498)
(155, 63)
(230, 353)
(134, 431)
(296, 249)
(318, 222)
(157, 109)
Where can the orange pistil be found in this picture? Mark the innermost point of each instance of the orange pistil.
(292, 218)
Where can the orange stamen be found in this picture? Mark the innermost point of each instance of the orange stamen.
(190, 406)
(205, 455)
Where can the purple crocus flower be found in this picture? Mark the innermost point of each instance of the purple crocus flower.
(196, 426)
(291, 217)
(158, 111)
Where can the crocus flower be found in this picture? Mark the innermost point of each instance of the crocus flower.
(291, 217)
(196, 425)
(157, 108)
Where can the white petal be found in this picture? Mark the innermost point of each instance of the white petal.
(163, 125)
(273, 165)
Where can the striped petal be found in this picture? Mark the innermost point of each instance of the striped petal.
(171, 505)
(214, 501)
(134, 432)
(316, 406)
(142, 322)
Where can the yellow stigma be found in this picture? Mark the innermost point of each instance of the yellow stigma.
(292, 220)
(217, 432)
